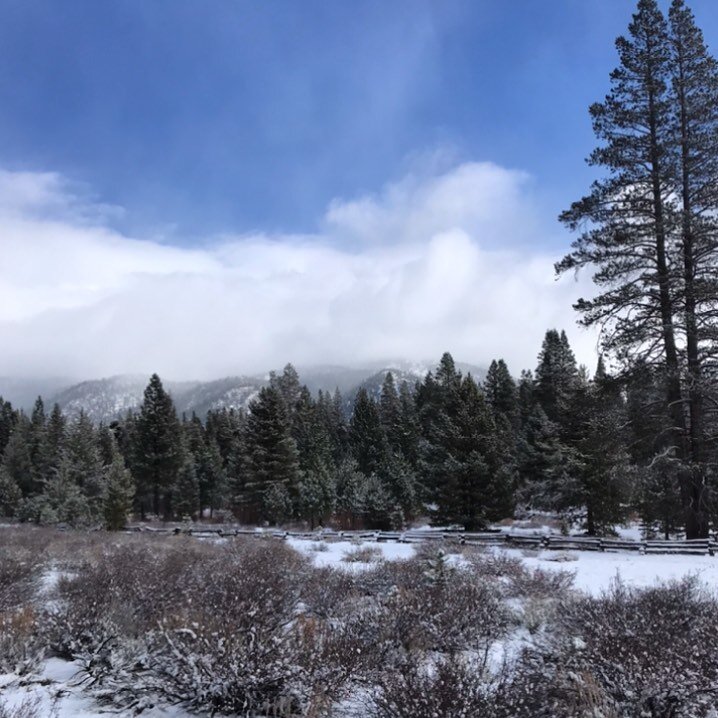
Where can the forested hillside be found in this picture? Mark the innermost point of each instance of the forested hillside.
(461, 452)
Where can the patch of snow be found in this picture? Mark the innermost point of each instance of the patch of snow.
(337, 550)
(594, 571)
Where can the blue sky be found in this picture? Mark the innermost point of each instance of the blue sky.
(239, 115)
(214, 187)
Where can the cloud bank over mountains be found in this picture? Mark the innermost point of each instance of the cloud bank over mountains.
(451, 259)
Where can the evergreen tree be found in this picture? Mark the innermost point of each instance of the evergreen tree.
(350, 492)
(330, 414)
(401, 486)
(390, 413)
(186, 494)
(10, 494)
(211, 476)
(82, 461)
(502, 396)
(17, 460)
(630, 219)
(376, 503)
(120, 492)
(556, 376)
(37, 445)
(55, 437)
(62, 501)
(694, 94)
(598, 418)
(526, 396)
(366, 436)
(273, 470)
(8, 419)
(310, 433)
(501, 393)
(107, 447)
(409, 425)
(548, 468)
(237, 474)
(158, 450)
(290, 389)
(317, 494)
(460, 460)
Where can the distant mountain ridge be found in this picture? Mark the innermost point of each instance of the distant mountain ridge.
(410, 373)
(112, 397)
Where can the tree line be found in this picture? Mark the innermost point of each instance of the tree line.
(459, 451)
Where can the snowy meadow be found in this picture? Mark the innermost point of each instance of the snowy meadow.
(92, 623)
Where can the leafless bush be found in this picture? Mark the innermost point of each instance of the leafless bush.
(452, 687)
(643, 652)
(432, 605)
(428, 549)
(520, 581)
(496, 565)
(330, 593)
(28, 708)
(19, 576)
(21, 646)
(363, 554)
(540, 583)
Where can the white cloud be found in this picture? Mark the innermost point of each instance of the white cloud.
(432, 263)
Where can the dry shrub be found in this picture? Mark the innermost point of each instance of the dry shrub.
(363, 554)
(426, 550)
(21, 647)
(631, 652)
(539, 583)
(520, 581)
(452, 688)
(496, 565)
(28, 708)
(433, 605)
(330, 593)
(19, 576)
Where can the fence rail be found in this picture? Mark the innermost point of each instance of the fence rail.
(700, 547)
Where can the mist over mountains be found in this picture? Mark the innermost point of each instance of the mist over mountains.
(111, 397)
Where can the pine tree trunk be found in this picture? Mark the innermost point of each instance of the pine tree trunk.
(693, 483)
(590, 522)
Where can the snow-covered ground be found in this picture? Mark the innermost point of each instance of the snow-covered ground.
(57, 695)
(334, 553)
(594, 571)
(54, 693)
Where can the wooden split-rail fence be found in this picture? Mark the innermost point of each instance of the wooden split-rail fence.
(699, 547)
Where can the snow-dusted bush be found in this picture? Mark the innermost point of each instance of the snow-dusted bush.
(426, 550)
(363, 554)
(452, 687)
(27, 709)
(458, 613)
(20, 570)
(520, 581)
(240, 640)
(537, 583)
(21, 646)
(432, 605)
(632, 652)
(19, 575)
(330, 593)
